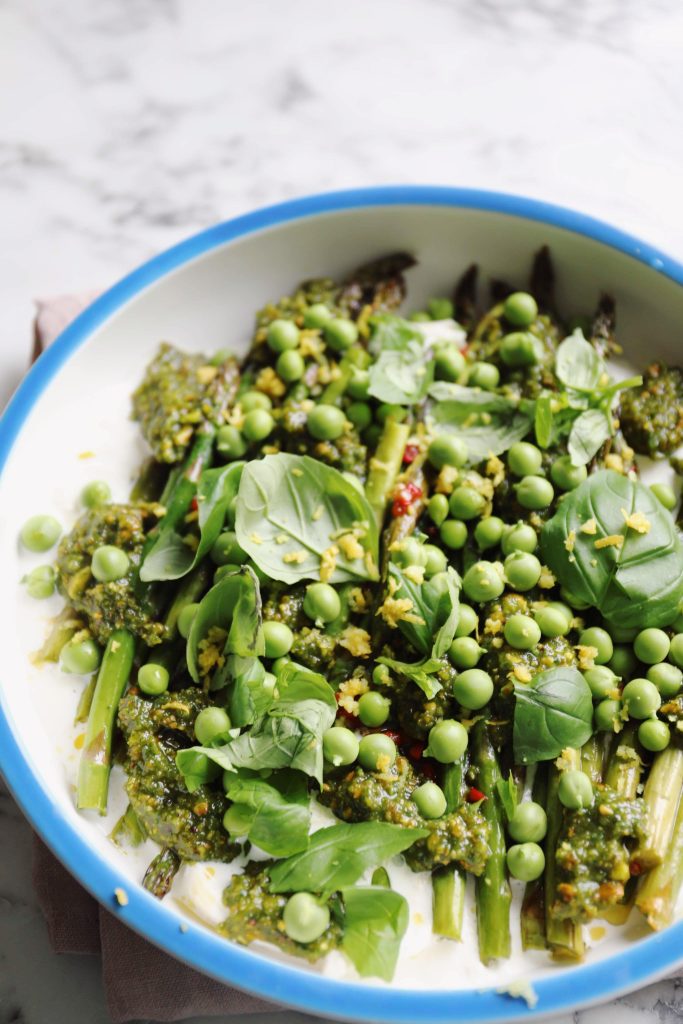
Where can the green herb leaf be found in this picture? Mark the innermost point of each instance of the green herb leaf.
(435, 610)
(170, 557)
(197, 765)
(509, 795)
(543, 421)
(337, 856)
(248, 698)
(589, 432)
(488, 423)
(404, 368)
(577, 364)
(375, 921)
(233, 605)
(421, 673)
(446, 631)
(392, 333)
(635, 580)
(294, 507)
(552, 712)
(279, 809)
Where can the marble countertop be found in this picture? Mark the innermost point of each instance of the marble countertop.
(126, 125)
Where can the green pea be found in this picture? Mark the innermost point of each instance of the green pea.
(251, 400)
(230, 444)
(227, 551)
(437, 508)
(212, 726)
(109, 563)
(529, 823)
(449, 363)
(420, 317)
(521, 537)
(447, 450)
(483, 581)
(641, 698)
(381, 675)
(372, 435)
(358, 358)
(622, 634)
(186, 618)
(607, 715)
(453, 534)
(468, 620)
(360, 415)
(526, 861)
(326, 422)
(376, 751)
(435, 560)
(305, 918)
(602, 681)
(600, 641)
(340, 334)
(466, 503)
(340, 746)
(473, 689)
(290, 366)
(40, 533)
(238, 818)
(485, 376)
(80, 657)
(651, 646)
(676, 649)
(524, 459)
(322, 602)
(278, 638)
(551, 621)
(520, 349)
(373, 709)
(40, 582)
(575, 790)
(665, 495)
(317, 315)
(534, 492)
(429, 799)
(411, 552)
(386, 411)
(258, 425)
(220, 356)
(623, 662)
(521, 632)
(654, 735)
(465, 652)
(282, 335)
(440, 309)
(489, 532)
(153, 679)
(522, 570)
(97, 492)
(565, 475)
(667, 678)
(359, 383)
(520, 309)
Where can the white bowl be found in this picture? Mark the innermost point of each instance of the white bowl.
(69, 423)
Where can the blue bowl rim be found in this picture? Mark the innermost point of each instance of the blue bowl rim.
(567, 990)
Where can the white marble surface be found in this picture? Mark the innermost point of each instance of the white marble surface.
(128, 124)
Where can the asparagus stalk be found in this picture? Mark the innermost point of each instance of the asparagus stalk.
(448, 882)
(532, 916)
(565, 937)
(661, 794)
(625, 765)
(493, 895)
(594, 757)
(95, 766)
(386, 465)
(191, 589)
(85, 701)
(659, 892)
(159, 876)
(128, 828)
(149, 484)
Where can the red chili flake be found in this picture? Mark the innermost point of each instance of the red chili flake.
(428, 770)
(194, 505)
(406, 496)
(416, 751)
(635, 868)
(465, 349)
(410, 453)
(474, 795)
(397, 737)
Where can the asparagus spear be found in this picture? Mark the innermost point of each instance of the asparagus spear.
(532, 917)
(128, 828)
(448, 883)
(191, 589)
(565, 937)
(149, 483)
(386, 465)
(493, 893)
(625, 765)
(85, 701)
(593, 758)
(95, 766)
(659, 892)
(159, 876)
(661, 794)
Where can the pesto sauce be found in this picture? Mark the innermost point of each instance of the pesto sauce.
(651, 416)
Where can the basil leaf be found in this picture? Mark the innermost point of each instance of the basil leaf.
(553, 712)
(401, 377)
(375, 921)
(589, 432)
(170, 557)
(488, 423)
(446, 631)
(197, 766)
(248, 697)
(509, 795)
(543, 421)
(279, 809)
(392, 334)
(233, 605)
(420, 672)
(434, 612)
(577, 364)
(337, 856)
(290, 511)
(633, 578)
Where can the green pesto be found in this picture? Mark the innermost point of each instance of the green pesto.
(652, 415)
(255, 914)
(314, 649)
(592, 857)
(459, 837)
(188, 823)
(529, 380)
(179, 392)
(286, 605)
(417, 713)
(113, 605)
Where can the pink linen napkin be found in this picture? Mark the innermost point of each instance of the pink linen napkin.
(140, 981)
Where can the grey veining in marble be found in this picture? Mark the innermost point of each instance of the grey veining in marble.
(127, 124)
